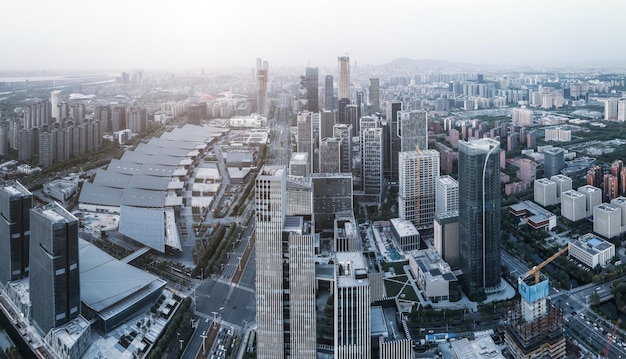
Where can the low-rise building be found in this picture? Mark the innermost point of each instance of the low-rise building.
(591, 250)
(432, 274)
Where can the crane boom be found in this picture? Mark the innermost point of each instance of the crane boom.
(607, 346)
(535, 269)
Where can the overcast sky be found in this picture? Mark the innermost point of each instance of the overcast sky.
(191, 34)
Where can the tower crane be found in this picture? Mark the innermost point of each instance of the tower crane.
(607, 346)
(535, 269)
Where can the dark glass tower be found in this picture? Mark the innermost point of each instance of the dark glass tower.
(479, 215)
(329, 97)
(15, 204)
(554, 161)
(54, 273)
(312, 89)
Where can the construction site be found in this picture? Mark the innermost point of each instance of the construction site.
(535, 326)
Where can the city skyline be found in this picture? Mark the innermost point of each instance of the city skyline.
(196, 35)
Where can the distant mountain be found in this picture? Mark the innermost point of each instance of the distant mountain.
(405, 62)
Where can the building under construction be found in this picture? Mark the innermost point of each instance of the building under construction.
(535, 326)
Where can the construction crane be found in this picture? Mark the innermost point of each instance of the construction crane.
(607, 346)
(535, 269)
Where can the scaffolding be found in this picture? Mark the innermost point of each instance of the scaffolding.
(540, 338)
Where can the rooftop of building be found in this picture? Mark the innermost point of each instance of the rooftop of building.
(481, 347)
(14, 188)
(351, 269)
(301, 157)
(572, 193)
(404, 227)
(70, 332)
(592, 244)
(560, 177)
(607, 208)
(107, 283)
(621, 201)
(553, 150)
(56, 213)
(589, 189)
(544, 181)
(432, 265)
(448, 181)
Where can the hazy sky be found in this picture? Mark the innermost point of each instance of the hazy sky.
(190, 34)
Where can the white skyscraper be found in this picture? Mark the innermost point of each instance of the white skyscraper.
(610, 109)
(418, 175)
(270, 208)
(344, 77)
(621, 110)
(285, 294)
(54, 102)
(352, 307)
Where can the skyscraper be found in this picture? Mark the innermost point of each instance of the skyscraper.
(285, 268)
(479, 215)
(262, 70)
(413, 130)
(392, 141)
(417, 180)
(54, 272)
(371, 158)
(270, 214)
(304, 128)
(344, 133)
(312, 89)
(610, 109)
(55, 96)
(344, 77)
(15, 204)
(352, 307)
(329, 96)
(375, 94)
(554, 161)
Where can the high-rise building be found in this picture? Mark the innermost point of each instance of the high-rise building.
(594, 176)
(262, 70)
(332, 193)
(413, 130)
(343, 133)
(344, 77)
(286, 273)
(352, 315)
(4, 138)
(610, 109)
(375, 94)
(419, 172)
(312, 89)
(611, 187)
(327, 123)
(621, 110)
(270, 215)
(479, 215)
(563, 183)
(55, 97)
(554, 161)
(545, 192)
(371, 158)
(15, 204)
(54, 273)
(447, 195)
(304, 132)
(392, 141)
(329, 95)
(330, 155)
